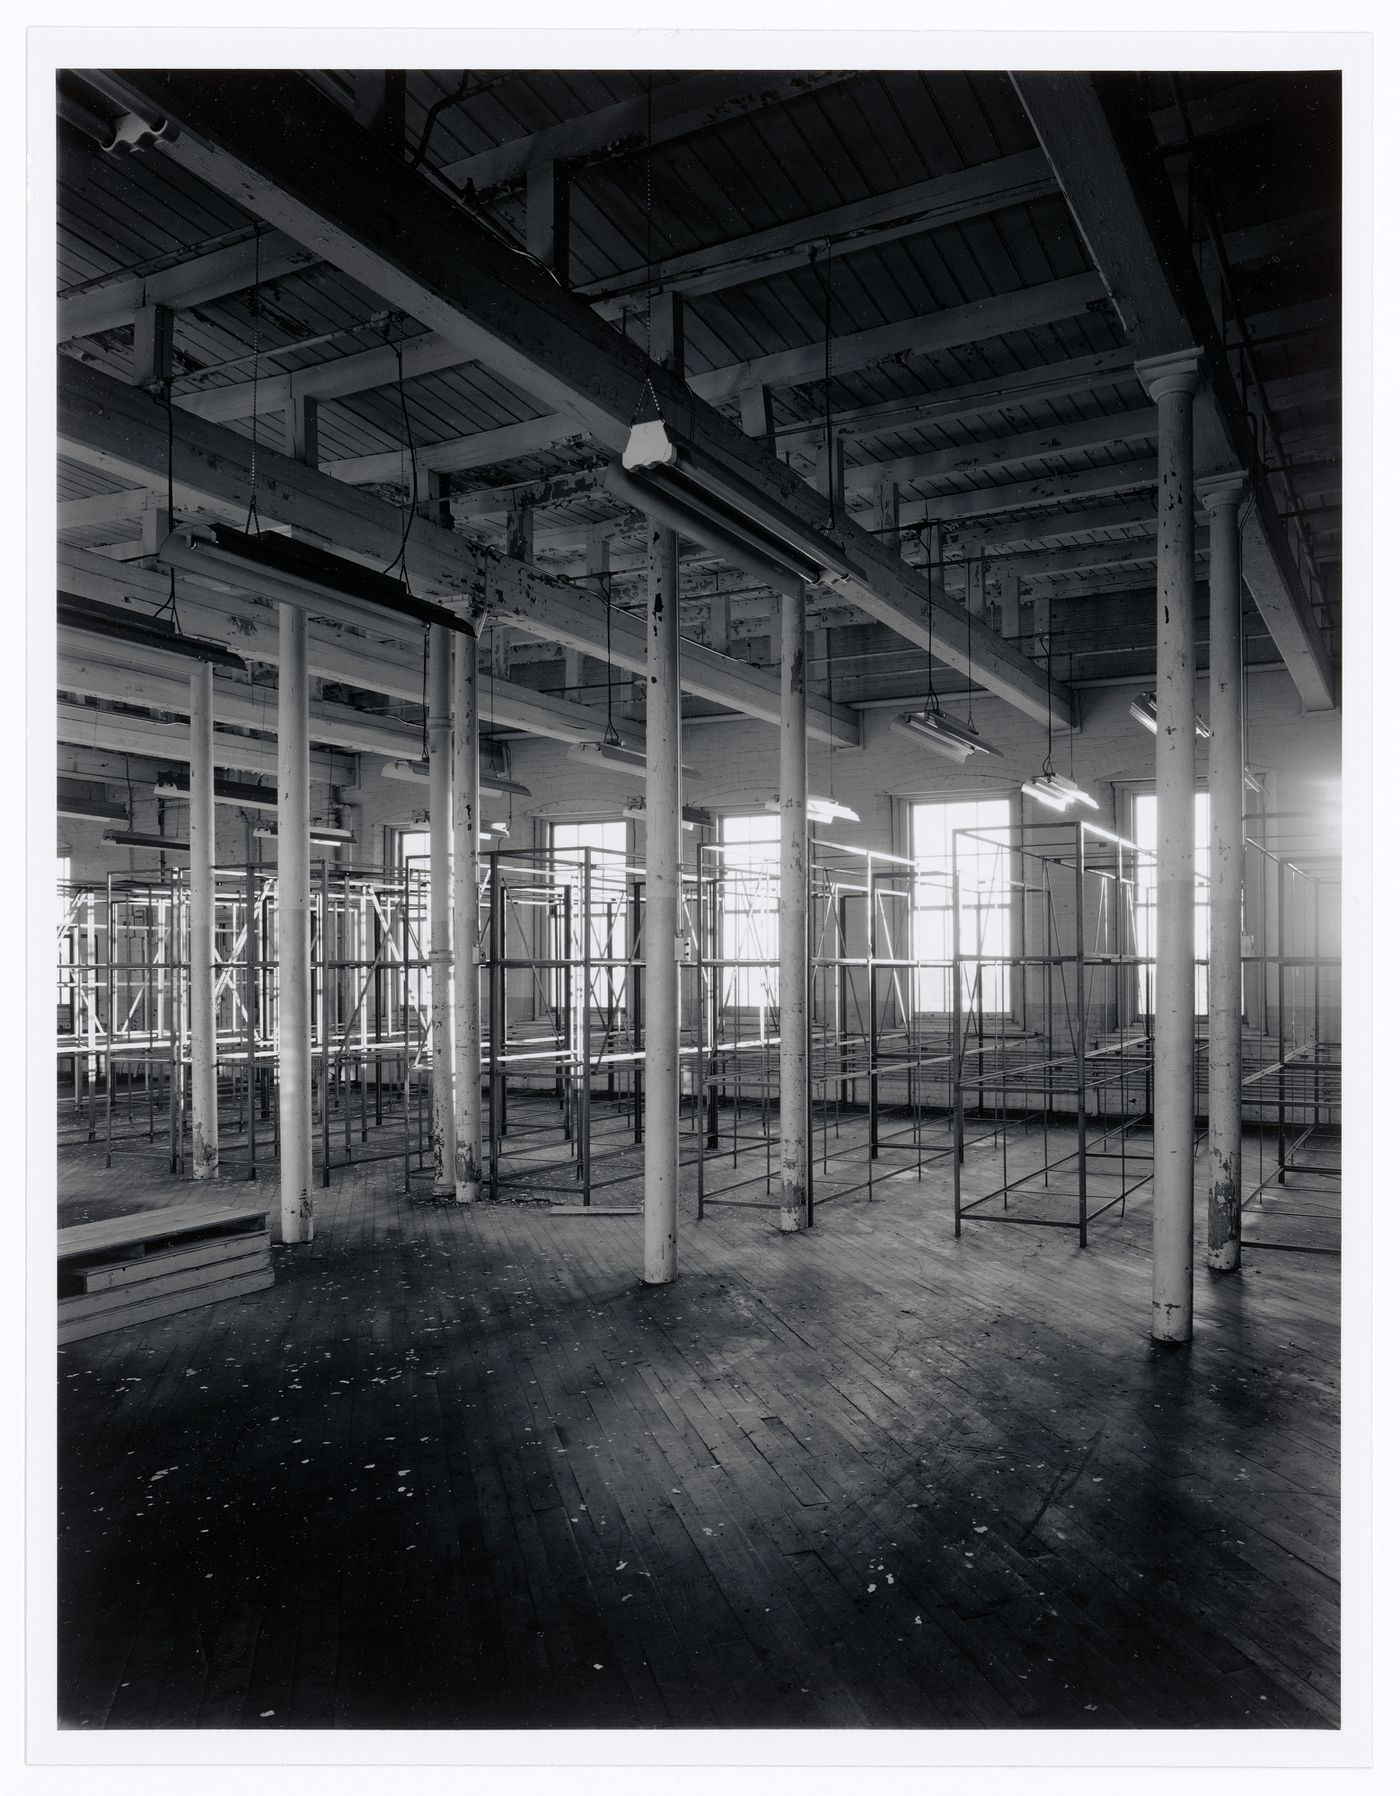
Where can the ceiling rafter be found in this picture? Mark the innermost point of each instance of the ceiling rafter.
(1128, 220)
(294, 159)
(121, 432)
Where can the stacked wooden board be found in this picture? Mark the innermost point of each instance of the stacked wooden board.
(136, 1268)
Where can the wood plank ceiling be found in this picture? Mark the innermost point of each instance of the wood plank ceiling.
(810, 222)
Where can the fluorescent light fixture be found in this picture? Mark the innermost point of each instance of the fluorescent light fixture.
(612, 757)
(412, 773)
(1058, 794)
(297, 573)
(92, 810)
(326, 834)
(89, 617)
(1042, 790)
(1144, 709)
(609, 757)
(494, 785)
(692, 815)
(719, 504)
(820, 810)
(943, 734)
(136, 838)
(174, 782)
(1074, 794)
(415, 773)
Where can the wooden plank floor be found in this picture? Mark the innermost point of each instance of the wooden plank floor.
(457, 1468)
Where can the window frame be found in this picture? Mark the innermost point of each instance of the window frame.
(1013, 1009)
(613, 951)
(1132, 793)
(753, 992)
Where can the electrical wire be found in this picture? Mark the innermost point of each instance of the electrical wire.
(1047, 766)
(931, 704)
(968, 608)
(400, 560)
(610, 735)
(650, 239)
(169, 604)
(252, 518)
(826, 388)
(647, 386)
(425, 690)
(462, 91)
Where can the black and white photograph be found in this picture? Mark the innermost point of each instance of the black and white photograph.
(708, 965)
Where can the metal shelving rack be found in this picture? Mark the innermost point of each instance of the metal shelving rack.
(1072, 1049)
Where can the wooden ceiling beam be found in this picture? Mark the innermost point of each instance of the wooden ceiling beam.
(1045, 490)
(84, 726)
(680, 109)
(1126, 214)
(987, 453)
(214, 274)
(295, 160)
(433, 352)
(131, 675)
(394, 668)
(121, 432)
(861, 224)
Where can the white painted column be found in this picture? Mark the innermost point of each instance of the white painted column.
(792, 912)
(204, 1064)
(661, 1140)
(466, 820)
(1222, 496)
(295, 1222)
(440, 903)
(1171, 383)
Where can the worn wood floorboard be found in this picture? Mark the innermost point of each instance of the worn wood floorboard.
(460, 1469)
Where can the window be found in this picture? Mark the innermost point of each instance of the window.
(984, 920)
(66, 947)
(607, 904)
(749, 910)
(411, 848)
(1145, 895)
(611, 835)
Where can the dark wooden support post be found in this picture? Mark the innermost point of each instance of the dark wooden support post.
(668, 332)
(547, 218)
(152, 365)
(379, 104)
(756, 413)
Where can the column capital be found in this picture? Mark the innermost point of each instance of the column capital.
(1177, 372)
(1222, 489)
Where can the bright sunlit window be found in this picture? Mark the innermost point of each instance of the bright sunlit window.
(984, 919)
(749, 919)
(607, 902)
(1145, 896)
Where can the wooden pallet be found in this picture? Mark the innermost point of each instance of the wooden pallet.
(136, 1268)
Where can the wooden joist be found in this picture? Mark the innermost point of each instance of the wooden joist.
(298, 162)
(395, 668)
(121, 432)
(1127, 217)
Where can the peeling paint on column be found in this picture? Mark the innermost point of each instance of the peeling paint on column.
(793, 899)
(443, 1133)
(1222, 496)
(661, 1047)
(295, 1221)
(1170, 382)
(466, 999)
